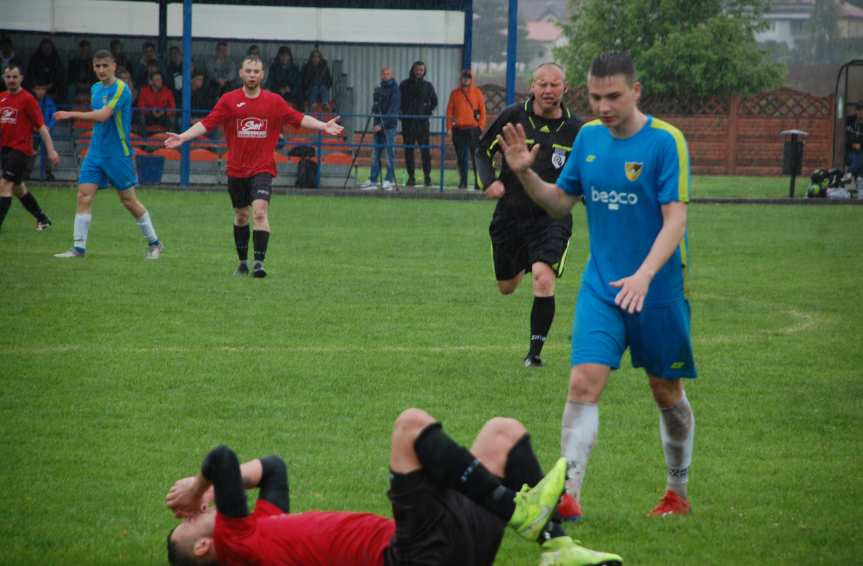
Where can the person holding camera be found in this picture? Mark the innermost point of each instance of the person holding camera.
(465, 115)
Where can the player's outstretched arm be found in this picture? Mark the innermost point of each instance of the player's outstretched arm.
(175, 140)
(101, 115)
(513, 146)
(332, 127)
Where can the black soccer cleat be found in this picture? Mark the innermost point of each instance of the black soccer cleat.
(533, 361)
(258, 270)
(242, 269)
(44, 224)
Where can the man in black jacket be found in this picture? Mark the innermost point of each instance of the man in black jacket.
(418, 99)
(523, 236)
(854, 141)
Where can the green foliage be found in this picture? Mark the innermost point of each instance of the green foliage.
(118, 374)
(684, 48)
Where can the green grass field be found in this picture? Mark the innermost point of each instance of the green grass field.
(118, 374)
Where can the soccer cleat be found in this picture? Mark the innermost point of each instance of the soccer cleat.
(569, 509)
(389, 185)
(369, 186)
(154, 251)
(242, 269)
(533, 361)
(670, 504)
(42, 225)
(563, 551)
(258, 270)
(534, 506)
(74, 252)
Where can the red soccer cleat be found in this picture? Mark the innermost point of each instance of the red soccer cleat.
(670, 504)
(568, 508)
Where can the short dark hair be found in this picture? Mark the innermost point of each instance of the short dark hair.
(13, 65)
(613, 63)
(178, 557)
(156, 72)
(104, 54)
(149, 44)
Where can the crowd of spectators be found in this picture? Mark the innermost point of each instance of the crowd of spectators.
(156, 81)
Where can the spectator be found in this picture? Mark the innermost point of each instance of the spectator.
(7, 54)
(120, 57)
(143, 67)
(254, 50)
(124, 75)
(48, 108)
(317, 82)
(465, 115)
(80, 70)
(284, 77)
(418, 99)
(174, 70)
(45, 68)
(221, 70)
(203, 97)
(385, 109)
(156, 103)
(854, 141)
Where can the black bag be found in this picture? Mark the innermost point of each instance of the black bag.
(307, 174)
(302, 151)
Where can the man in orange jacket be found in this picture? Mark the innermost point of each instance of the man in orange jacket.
(465, 115)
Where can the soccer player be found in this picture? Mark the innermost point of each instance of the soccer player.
(252, 119)
(632, 172)
(109, 157)
(523, 236)
(450, 506)
(19, 116)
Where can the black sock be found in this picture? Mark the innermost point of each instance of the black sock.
(29, 202)
(5, 203)
(450, 465)
(241, 241)
(260, 239)
(541, 316)
(522, 468)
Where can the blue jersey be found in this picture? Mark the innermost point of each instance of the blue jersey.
(624, 183)
(111, 137)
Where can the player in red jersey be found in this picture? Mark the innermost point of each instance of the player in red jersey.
(450, 506)
(19, 117)
(252, 119)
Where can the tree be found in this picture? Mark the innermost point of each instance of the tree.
(680, 47)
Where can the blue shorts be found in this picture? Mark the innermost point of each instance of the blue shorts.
(658, 338)
(100, 171)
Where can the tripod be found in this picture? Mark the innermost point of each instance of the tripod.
(357, 152)
(359, 147)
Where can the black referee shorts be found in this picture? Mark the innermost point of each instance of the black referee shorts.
(246, 189)
(520, 237)
(439, 527)
(17, 165)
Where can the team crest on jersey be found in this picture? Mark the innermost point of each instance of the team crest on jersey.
(8, 115)
(252, 127)
(633, 170)
(558, 158)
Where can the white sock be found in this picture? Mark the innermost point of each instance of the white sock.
(577, 437)
(82, 227)
(146, 226)
(677, 431)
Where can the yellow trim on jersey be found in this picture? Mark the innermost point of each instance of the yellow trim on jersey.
(490, 150)
(682, 157)
(596, 122)
(118, 116)
(567, 148)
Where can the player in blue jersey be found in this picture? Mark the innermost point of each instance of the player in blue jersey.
(109, 157)
(632, 172)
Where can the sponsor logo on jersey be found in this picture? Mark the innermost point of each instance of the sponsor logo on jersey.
(252, 127)
(590, 158)
(558, 158)
(544, 129)
(633, 170)
(8, 115)
(240, 104)
(614, 199)
(678, 365)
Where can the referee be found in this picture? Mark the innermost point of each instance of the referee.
(523, 236)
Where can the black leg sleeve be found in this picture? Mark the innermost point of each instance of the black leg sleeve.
(222, 468)
(274, 483)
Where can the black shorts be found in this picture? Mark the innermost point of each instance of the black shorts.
(17, 165)
(522, 236)
(244, 190)
(439, 527)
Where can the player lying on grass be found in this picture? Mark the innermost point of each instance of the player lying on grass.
(450, 506)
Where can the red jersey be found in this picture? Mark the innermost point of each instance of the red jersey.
(19, 116)
(252, 127)
(149, 98)
(271, 537)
